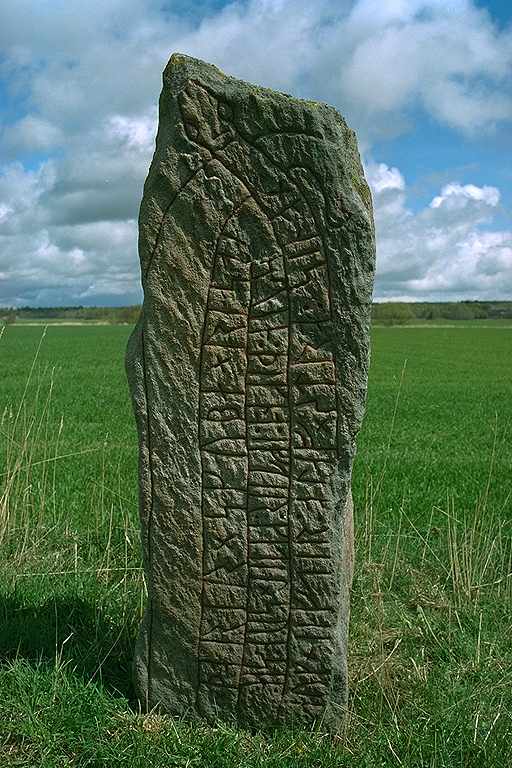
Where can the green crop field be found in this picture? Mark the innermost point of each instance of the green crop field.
(431, 628)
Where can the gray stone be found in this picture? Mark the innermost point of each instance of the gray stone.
(248, 373)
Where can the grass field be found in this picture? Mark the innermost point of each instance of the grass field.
(431, 629)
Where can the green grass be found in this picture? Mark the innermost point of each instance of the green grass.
(431, 628)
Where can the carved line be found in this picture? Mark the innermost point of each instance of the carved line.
(248, 551)
(166, 212)
(149, 524)
(203, 526)
(329, 288)
(290, 481)
(250, 443)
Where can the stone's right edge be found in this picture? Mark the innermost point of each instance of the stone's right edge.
(353, 273)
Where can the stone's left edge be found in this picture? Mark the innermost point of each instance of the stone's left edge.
(135, 374)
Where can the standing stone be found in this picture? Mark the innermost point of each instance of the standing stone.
(248, 373)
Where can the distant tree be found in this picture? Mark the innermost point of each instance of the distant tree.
(433, 311)
(128, 314)
(480, 311)
(7, 316)
(393, 313)
(460, 311)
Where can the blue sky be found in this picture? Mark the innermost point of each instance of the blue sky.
(426, 84)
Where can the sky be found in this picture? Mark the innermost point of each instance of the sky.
(426, 84)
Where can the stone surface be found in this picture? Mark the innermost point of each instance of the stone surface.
(248, 375)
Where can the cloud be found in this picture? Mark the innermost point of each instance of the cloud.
(78, 265)
(80, 63)
(456, 195)
(382, 178)
(20, 194)
(133, 132)
(445, 57)
(443, 251)
(32, 134)
(85, 79)
(48, 256)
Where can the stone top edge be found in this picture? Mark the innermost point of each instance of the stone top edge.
(181, 67)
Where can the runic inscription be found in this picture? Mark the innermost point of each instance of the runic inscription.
(248, 374)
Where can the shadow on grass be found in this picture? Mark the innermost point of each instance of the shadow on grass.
(73, 632)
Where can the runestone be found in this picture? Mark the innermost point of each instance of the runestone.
(248, 372)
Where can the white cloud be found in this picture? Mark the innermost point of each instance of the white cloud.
(62, 265)
(32, 134)
(381, 177)
(20, 194)
(443, 61)
(47, 256)
(443, 251)
(5, 211)
(456, 195)
(134, 132)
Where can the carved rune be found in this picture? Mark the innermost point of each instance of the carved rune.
(267, 436)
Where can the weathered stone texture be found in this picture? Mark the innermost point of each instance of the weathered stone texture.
(248, 374)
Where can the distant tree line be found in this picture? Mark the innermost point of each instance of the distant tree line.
(398, 313)
(389, 312)
(100, 314)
